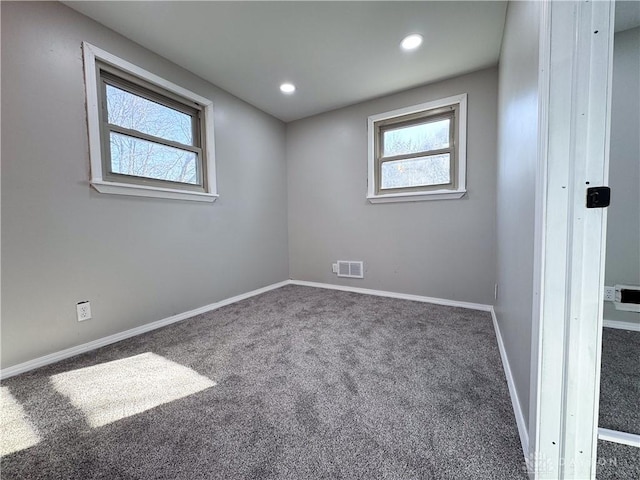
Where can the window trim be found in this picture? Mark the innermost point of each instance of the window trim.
(412, 194)
(100, 178)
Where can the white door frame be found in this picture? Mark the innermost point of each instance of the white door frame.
(575, 78)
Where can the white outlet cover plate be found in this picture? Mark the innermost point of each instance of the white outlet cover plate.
(609, 294)
(84, 311)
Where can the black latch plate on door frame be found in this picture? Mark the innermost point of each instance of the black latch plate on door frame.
(598, 197)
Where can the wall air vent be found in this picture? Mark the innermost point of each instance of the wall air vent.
(627, 298)
(350, 269)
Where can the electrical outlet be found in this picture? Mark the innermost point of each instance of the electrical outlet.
(83, 310)
(334, 268)
(609, 294)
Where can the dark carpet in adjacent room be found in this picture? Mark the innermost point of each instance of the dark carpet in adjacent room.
(617, 461)
(619, 402)
(620, 381)
(310, 383)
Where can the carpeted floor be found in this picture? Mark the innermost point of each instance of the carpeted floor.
(297, 383)
(617, 461)
(620, 381)
(619, 402)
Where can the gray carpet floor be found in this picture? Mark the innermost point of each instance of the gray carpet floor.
(309, 383)
(617, 461)
(620, 381)
(619, 402)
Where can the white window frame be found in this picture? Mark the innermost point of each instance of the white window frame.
(98, 181)
(460, 171)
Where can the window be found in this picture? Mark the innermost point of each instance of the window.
(147, 136)
(418, 153)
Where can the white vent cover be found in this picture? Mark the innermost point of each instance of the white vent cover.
(627, 298)
(350, 269)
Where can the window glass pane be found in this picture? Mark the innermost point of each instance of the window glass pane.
(133, 156)
(137, 113)
(416, 172)
(416, 138)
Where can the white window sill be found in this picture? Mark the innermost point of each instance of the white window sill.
(417, 197)
(155, 192)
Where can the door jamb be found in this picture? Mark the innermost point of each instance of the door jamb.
(575, 98)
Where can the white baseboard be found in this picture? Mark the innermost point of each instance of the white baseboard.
(402, 296)
(625, 438)
(101, 342)
(633, 326)
(515, 401)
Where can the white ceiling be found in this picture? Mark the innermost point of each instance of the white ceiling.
(336, 53)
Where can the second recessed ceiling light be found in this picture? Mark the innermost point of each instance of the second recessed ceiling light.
(411, 42)
(287, 88)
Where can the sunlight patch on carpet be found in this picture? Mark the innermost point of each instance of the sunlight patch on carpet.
(115, 390)
(16, 433)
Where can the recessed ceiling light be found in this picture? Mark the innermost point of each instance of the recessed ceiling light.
(411, 42)
(287, 88)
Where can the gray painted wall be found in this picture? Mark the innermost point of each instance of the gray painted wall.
(517, 159)
(137, 260)
(623, 229)
(440, 248)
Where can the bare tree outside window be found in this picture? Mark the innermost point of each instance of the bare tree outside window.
(416, 138)
(144, 158)
(421, 171)
(416, 172)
